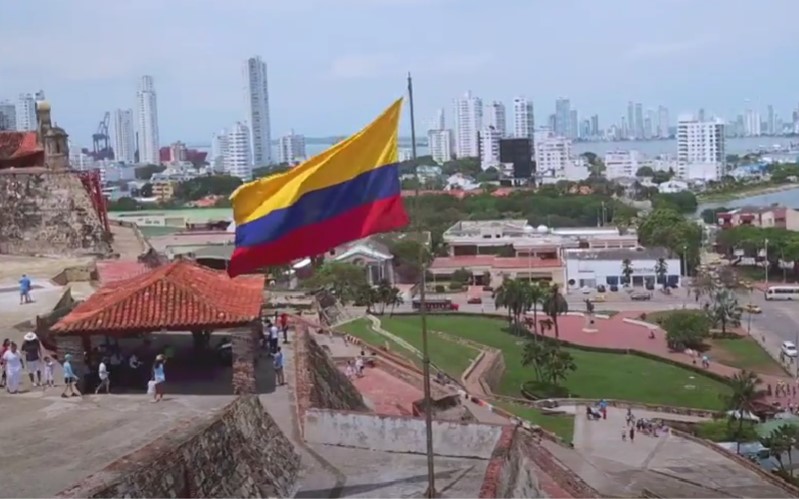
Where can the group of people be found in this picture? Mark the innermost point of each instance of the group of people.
(271, 337)
(31, 356)
(599, 411)
(641, 425)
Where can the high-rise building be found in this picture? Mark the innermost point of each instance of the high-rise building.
(257, 98)
(639, 121)
(552, 154)
(630, 120)
(771, 127)
(489, 147)
(8, 116)
(595, 125)
(622, 164)
(147, 122)
(177, 152)
(563, 117)
(439, 122)
(752, 123)
(291, 149)
(238, 152)
(663, 122)
(124, 136)
(700, 149)
(701, 115)
(573, 132)
(440, 145)
(468, 123)
(26, 113)
(524, 120)
(218, 151)
(495, 117)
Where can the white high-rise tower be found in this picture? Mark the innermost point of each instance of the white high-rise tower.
(237, 161)
(147, 122)
(468, 122)
(496, 117)
(26, 113)
(124, 137)
(256, 94)
(524, 120)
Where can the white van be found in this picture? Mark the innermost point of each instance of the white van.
(782, 293)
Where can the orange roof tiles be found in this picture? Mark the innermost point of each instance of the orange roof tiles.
(178, 296)
(15, 145)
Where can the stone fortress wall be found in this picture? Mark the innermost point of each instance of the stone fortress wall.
(48, 213)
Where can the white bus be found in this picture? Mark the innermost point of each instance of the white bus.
(782, 293)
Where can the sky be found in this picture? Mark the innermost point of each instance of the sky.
(335, 64)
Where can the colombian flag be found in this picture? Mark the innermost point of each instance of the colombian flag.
(348, 192)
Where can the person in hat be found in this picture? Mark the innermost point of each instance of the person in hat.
(70, 378)
(159, 377)
(32, 350)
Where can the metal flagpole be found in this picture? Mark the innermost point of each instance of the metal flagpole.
(428, 412)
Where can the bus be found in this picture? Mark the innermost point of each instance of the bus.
(782, 293)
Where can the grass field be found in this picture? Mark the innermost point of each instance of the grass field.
(560, 425)
(744, 353)
(598, 375)
(453, 358)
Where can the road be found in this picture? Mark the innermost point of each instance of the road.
(779, 322)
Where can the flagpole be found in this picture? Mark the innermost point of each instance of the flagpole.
(428, 411)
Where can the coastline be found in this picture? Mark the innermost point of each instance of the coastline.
(758, 191)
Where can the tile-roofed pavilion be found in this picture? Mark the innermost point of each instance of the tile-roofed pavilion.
(20, 150)
(180, 296)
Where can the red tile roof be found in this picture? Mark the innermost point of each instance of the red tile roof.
(113, 271)
(14, 145)
(179, 296)
(494, 262)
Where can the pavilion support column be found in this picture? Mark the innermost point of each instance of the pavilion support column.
(75, 346)
(244, 345)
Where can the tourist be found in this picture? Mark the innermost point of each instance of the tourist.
(273, 338)
(32, 348)
(623, 433)
(105, 381)
(284, 326)
(359, 366)
(70, 378)
(24, 290)
(705, 361)
(349, 371)
(278, 362)
(159, 377)
(12, 360)
(49, 376)
(632, 434)
(3, 349)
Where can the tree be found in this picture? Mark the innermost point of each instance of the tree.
(711, 215)
(146, 190)
(684, 202)
(645, 171)
(123, 204)
(514, 294)
(345, 281)
(549, 361)
(669, 229)
(686, 329)
(537, 292)
(661, 269)
(741, 401)
(462, 276)
(554, 305)
(627, 271)
(410, 258)
(724, 310)
(200, 187)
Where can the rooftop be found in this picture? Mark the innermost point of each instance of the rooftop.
(618, 254)
(20, 147)
(494, 262)
(179, 296)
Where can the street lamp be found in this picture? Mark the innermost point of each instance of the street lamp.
(528, 231)
(765, 260)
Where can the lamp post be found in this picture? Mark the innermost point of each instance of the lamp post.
(765, 260)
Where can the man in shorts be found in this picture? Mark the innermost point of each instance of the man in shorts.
(32, 350)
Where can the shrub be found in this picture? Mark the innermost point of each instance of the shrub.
(455, 286)
(536, 390)
(440, 288)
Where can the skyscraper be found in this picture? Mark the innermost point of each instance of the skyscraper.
(663, 122)
(639, 121)
(26, 113)
(495, 117)
(573, 131)
(700, 149)
(291, 149)
(631, 120)
(440, 121)
(257, 99)
(771, 123)
(595, 125)
(524, 120)
(562, 117)
(468, 123)
(147, 122)
(219, 151)
(440, 145)
(124, 137)
(8, 116)
(238, 159)
(489, 147)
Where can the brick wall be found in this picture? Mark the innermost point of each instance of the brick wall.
(48, 213)
(239, 452)
(493, 373)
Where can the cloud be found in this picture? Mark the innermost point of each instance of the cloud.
(644, 51)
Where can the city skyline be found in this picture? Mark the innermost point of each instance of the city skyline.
(332, 82)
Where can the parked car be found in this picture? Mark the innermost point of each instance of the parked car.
(614, 288)
(640, 296)
(586, 290)
(751, 308)
(789, 349)
(475, 300)
(600, 288)
(598, 298)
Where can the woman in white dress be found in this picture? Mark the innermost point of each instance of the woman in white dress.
(13, 364)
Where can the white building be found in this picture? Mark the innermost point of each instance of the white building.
(124, 136)
(440, 145)
(489, 147)
(468, 123)
(218, 151)
(590, 268)
(524, 120)
(257, 99)
(147, 122)
(8, 116)
(672, 186)
(238, 159)
(622, 164)
(440, 121)
(495, 117)
(291, 149)
(552, 154)
(700, 149)
(26, 113)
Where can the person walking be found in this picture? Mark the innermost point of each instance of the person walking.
(70, 378)
(280, 378)
(12, 361)
(3, 350)
(159, 377)
(32, 349)
(24, 290)
(284, 326)
(105, 380)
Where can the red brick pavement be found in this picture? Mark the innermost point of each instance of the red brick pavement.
(616, 333)
(387, 394)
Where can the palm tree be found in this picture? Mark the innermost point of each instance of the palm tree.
(741, 401)
(627, 271)
(661, 269)
(502, 297)
(725, 310)
(395, 298)
(536, 295)
(554, 305)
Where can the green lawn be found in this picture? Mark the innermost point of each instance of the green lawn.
(744, 353)
(598, 375)
(560, 425)
(452, 357)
